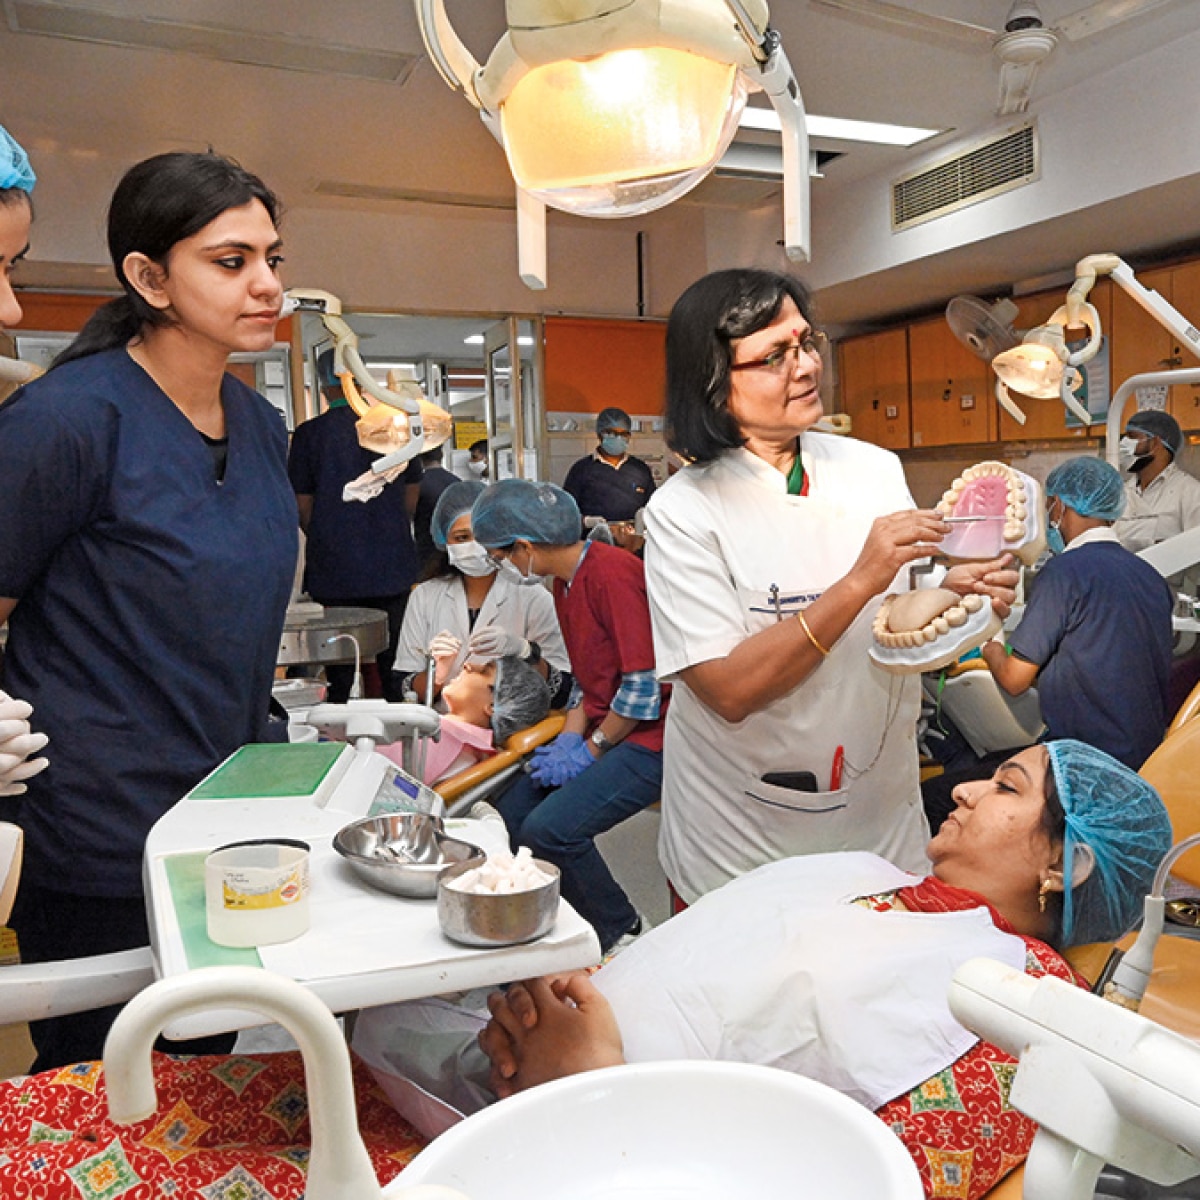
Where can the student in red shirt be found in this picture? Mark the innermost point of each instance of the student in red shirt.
(606, 765)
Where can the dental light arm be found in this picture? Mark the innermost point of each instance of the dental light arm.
(355, 379)
(1104, 1084)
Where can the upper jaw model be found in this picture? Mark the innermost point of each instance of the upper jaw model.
(995, 509)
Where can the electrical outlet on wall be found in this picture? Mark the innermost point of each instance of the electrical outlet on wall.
(966, 402)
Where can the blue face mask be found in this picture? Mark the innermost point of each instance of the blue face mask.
(613, 445)
(1054, 538)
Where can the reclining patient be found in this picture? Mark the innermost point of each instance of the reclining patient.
(486, 702)
(799, 964)
(796, 964)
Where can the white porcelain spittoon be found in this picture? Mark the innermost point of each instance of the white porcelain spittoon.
(672, 1131)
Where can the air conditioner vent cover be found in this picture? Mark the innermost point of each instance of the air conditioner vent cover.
(989, 169)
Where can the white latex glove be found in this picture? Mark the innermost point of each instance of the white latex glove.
(490, 641)
(444, 648)
(17, 743)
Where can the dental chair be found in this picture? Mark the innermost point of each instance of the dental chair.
(1187, 710)
(1173, 999)
(984, 714)
(484, 778)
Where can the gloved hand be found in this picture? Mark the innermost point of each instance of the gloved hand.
(490, 641)
(444, 648)
(17, 743)
(561, 760)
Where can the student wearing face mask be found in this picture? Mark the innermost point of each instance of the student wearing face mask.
(606, 765)
(610, 482)
(1161, 498)
(1096, 634)
(462, 609)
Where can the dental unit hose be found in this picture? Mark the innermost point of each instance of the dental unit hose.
(1131, 978)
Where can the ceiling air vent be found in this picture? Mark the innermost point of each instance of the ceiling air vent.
(990, 169)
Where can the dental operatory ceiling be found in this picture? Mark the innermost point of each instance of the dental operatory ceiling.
(337, 107)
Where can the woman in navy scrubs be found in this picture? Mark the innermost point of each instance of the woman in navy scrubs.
(146, 555)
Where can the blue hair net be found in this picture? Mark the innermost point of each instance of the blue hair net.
(1157, 424)
(520, 697)
(457, 499)
(1090, 486)
(1120, 818)
(326, 374)
(15, 171)
(534, 512)
(612, 418)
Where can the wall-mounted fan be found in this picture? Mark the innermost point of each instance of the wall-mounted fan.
(986, 330)
(1020, 46)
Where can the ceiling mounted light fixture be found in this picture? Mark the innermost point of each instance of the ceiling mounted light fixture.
(611, 108)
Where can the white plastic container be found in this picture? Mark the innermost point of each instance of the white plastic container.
(256, 892)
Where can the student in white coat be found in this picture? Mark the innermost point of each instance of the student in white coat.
(765, 560)
(463, 609)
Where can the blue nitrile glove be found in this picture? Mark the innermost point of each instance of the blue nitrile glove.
(560, 761)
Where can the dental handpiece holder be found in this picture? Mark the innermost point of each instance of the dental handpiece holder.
(371, 723)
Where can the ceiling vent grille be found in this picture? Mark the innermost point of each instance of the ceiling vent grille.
(1000, 165)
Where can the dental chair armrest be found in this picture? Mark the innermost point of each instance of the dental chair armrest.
(519, 746)
(961, 668)
(33, 991)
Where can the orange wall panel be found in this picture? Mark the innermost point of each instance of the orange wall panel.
(592, 363)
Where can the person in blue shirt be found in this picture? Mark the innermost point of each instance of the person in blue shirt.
(610, 482)
(356, 555)
(146, 554)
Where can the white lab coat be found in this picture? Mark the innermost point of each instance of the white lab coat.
(441, 603)
(718, 537)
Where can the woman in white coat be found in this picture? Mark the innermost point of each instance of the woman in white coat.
(766, 558)
(463, 609)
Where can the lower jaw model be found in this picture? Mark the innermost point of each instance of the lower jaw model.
(995, 509)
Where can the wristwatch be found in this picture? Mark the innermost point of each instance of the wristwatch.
(602, 744)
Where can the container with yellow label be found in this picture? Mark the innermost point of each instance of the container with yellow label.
(256, 893)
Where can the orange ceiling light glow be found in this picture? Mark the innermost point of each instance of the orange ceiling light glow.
(611, 110)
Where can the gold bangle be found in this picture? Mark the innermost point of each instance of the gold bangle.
(812, 637)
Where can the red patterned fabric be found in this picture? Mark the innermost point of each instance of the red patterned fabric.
(227, 1128)
(958, 1126)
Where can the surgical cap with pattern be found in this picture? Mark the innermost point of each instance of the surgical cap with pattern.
(534, 512)
(1090, 486)
(15, 171)
(1115, 813)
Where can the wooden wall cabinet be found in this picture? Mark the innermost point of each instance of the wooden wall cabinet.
(873, 372)
(1140, 343)
(950, 388)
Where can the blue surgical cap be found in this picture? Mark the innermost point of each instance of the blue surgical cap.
(1090, 486)
(15, 171)
(326, 370)
(612, 418)
(1161, 425)
(534, 512)
(457, 499)
(1120, 818)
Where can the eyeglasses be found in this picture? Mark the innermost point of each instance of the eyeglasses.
(784, 358)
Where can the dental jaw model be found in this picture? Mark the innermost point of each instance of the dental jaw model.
(994, 509)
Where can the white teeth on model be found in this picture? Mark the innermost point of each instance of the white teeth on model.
(956, 616)
(972, 603)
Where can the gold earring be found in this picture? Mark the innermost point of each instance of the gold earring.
(1043, 892)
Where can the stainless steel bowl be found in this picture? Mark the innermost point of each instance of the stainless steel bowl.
(404, 853)
(506, 919)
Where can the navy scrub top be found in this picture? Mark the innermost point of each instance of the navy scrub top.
(151, 600)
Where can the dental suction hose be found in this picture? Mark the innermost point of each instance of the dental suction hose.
(356, 688)
(1131, 978)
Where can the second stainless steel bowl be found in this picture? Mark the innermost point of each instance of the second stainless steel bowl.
(403, 853)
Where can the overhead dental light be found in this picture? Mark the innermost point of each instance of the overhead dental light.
(611, 108)
(1045, 367)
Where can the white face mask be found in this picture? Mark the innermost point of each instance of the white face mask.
(477, 467)
(1126, 452)
(470, 558)
(516, 575)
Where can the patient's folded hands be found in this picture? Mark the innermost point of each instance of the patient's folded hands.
(548, 1028)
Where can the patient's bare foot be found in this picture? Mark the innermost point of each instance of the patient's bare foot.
(546, 1029)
